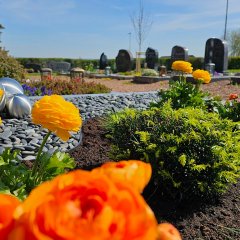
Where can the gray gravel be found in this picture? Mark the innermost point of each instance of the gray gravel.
(24, 135)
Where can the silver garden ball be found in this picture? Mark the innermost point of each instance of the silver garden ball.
(11, 86)
(19, 106)
(2, 97)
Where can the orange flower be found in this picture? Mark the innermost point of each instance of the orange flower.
(233, 96)
(8, 204)
(167, 231)
(57, 115)
(137, 173)
(183, 66)
(84, 205)
(202, 75)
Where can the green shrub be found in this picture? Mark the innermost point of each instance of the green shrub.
(182, 94)
(62, 87)
(10, 67)
(192, 153)
(149, 72)
(234, 62)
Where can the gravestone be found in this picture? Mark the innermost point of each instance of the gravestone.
(152, 58)
(179, 53)
(124, 61)
(61, 67)
(216, 51)
(103, 61)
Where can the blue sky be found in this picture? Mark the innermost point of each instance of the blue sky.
(86, 28)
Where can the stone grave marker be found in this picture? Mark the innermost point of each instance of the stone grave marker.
(152, 58)
(216, 51)
(179, 53)
(61, 67)
(103, 61)
(124, 61)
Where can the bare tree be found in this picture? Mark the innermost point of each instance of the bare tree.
(141, 24)
(234, 42)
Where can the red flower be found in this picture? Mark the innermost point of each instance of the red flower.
(233, 96)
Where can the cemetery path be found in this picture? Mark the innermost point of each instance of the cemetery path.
(215, 220)
(221, 88)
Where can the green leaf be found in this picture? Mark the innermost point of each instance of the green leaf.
(58, 162)
(4, 189)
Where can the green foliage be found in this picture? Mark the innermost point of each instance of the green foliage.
(182, 94)
(234, 62)
(10, 67)
(193, 153)
(62, 87)
(149, 72)
(17, 179)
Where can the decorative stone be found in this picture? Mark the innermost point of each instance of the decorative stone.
(2, 97)
(11, 86)
(19, 106)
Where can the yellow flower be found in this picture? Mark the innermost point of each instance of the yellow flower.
(202, 75)
(0, 120)
(183, 66)
(57, 115)
(1, 93)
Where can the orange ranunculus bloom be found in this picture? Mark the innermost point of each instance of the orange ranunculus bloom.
(183, 66)
(167, 231)
(137, 173)
(84, 205)
(233, 96)
(8, 204)
(57, 115)
(202, 75)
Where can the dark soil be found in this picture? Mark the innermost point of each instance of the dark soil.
(217, 219)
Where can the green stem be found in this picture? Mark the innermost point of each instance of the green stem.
(36, 162)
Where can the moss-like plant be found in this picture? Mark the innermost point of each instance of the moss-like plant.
(192, 153)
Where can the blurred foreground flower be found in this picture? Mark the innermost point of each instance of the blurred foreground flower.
(0, 120)
(182, 66)
(202, 75)
(136, 173)
(167, 231)
(84, 205)
(8, 205)
(57, 115)
(233, 96)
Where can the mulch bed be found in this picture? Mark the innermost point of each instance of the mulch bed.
(211, 220)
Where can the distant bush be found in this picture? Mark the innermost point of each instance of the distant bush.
(193, 153)
(62, 87)
(10, 67)
(234, 62)
(149, 72)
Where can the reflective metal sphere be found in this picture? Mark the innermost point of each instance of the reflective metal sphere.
(19, 106)
(11, 86)
(2, 97)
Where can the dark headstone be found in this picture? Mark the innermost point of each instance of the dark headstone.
(103, 61)
(61, 67)
(179, 53)
(124, 61)
(151, 58)
(34, 66)
(216, 51)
